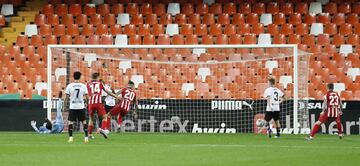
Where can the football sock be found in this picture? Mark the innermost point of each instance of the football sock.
(339, 126)
(104, 125)
(278, 131)
(86, 130)
(70, 130)
(90, 129)
(120, 120)
(109, 122)
(314, 130)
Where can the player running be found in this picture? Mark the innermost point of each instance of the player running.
(127, 97)
(75, 93)
(95, 90)
(274, 97)
(332, 108)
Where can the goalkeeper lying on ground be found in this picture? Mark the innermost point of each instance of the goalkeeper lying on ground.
(51, 127)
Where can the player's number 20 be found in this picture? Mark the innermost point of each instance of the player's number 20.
(129, 95)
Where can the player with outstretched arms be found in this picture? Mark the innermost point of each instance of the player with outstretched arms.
(95, 89)
(75, 93)
(274, 97)
(127, 97)
(332, 108)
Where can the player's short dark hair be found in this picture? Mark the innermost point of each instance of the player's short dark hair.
(77, 75)
(48, 124)
(330, 86)
(131, 83)
(272, 81)
(95, 75)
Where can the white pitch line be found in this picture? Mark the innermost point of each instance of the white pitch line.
(259, 146)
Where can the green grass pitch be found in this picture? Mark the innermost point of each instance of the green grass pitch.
(158, 149)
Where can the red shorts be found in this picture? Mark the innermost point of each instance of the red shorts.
(324, 117)
(118, 110)
(96, 107)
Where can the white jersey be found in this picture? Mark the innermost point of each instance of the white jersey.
(76, 92)
(109, 100)
(275, 96)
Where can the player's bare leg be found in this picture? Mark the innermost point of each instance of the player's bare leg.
(314, 130)
(277, 125)
(70, 126)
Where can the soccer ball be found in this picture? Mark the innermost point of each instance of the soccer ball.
(260, 123)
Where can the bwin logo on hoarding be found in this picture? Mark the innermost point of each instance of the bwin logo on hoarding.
(230, 105)
(155, 106)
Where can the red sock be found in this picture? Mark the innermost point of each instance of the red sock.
(314, 130)
(120, 120)
(90, 129)
(104, 125)
(109, 123)
(339, 126)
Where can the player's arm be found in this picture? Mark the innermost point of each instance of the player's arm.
(108, 92)
(341, 106)
(324, 105)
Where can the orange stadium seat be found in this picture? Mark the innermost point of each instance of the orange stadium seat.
(158, 29)
(151, 19)
(330, 29)
(338, 40)
(59, 30)
(89, 10)
(309, 19)
(48, 9)
(216, 8)
(93, 39)
(146, 8)
(187, 9)
(36, 40)
(230, 8)
(159, 9)
(244, 8)
(230, 29)
(258, 8)
(201, 29)
(287, 29)
(75, 9)
(279, 18)
(272, 7)
(45, 30)
(302, 8)
(331, 8)
(132, 8)
(191, 39)
(81, 19)
(245, 29)
(194, 19)
(130, 29)
(67, 19)
(186, 29)
(137, 19)
(79, 39)
(101, 29)
(215, 29)
(50, 39)
(287, 8)
(352, 18)
(344, 8)
(144, 29)
(273, 29)
(302, 29)
(324, 18)
(22, 40)
(117, 8)
(295, 18)
(235, 39)
(180, 19)
(208, 19)
(338, 18)
(87, 30)
(323, 39)
(207, 39)
(65, 39)
(103, 9)
(62, 9)
(252, 18)
(73, 29)
(353, 39)
(257, 28)
(96, 19)
(115, 29)
(223, 19)
(165, 19)
(238, 19)
(40, 19)
(346, 29)
(202, 8)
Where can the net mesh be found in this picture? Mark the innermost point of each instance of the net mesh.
(207, 90)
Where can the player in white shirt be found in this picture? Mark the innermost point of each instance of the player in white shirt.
(76, 96)
(274, 97)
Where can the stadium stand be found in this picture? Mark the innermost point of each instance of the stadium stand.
(27, 27)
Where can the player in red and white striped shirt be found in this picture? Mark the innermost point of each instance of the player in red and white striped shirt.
(127, 97)
(95, 90)
(332, 108)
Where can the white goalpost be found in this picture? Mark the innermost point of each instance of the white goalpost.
(191, 88)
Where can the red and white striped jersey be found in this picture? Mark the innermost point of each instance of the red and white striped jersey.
(128, 97)
(95, 91)
(333, 105)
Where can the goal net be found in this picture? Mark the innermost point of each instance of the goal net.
(198, 89)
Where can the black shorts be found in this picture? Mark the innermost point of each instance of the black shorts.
(272, 115)
(77, 114)
(108, 108)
